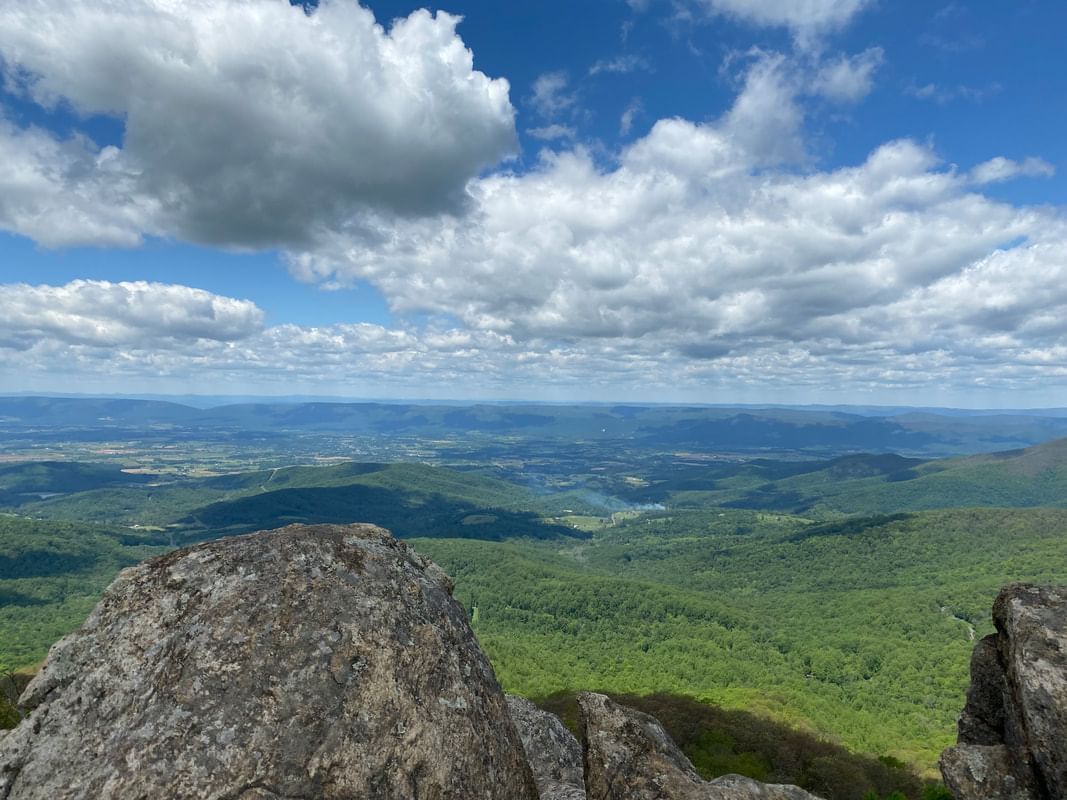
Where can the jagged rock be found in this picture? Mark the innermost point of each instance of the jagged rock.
(1013, 729)
(554, 754)
(982, 720)
(308, 662)
(628, 756)
(1032, 624)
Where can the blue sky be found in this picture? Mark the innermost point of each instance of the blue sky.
(691, 200)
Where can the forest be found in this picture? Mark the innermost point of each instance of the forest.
(836, 596)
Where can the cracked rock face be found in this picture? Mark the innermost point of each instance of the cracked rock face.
(554, 754)
(628, 756)
(308, 662)
(1013, 729)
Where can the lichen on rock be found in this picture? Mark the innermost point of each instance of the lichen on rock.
(1012, 740)
(308, 662)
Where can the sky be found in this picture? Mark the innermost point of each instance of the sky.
(757, 201)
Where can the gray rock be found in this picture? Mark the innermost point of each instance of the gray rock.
(982, 720)
(628, 756)
(980, 772)
(308, 662)
(1032, 628)
(554, 754)
(1013, 729)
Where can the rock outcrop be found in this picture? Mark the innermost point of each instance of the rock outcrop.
(308, 662)
(628, 756)
(554, 754)
(1012, 740)
(318, 662)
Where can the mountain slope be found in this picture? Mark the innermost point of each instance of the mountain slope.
(862, 633)
(1035, 476)
(411, 499)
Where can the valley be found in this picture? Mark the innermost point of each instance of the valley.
(819, 585)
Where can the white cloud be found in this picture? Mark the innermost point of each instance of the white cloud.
(690, 259)
(946, 94)
(619, 65)
(248, 123)
(104, 314)
(1005, 314)
(681, 241)
(766, 116)
(1001, 169)
(550, 96)
(64, 193)
(806, 18)
(848, 79)
(700, 254)
(552, 132)
(629, 114)
(764, 300)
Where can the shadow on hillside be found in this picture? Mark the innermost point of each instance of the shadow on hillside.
(404, 515)
(720, 741)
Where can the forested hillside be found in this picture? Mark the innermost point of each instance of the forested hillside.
(410, 499)
(822, 593)
(51, 575)
(861, 631)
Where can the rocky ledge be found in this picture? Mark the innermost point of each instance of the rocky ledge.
(1012, 742)
(309, 662)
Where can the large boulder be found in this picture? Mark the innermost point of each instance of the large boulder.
(628, 756)
(1013, 730)
(308, 662)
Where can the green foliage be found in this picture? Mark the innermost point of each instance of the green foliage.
(11, 686)
(865, 638)
(19, 482)
(51, 575)
(857, 629)
(9, 716)
(1036, 476)
(935, 791)
(409, 499)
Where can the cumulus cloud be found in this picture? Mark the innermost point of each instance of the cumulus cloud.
(694, 246)
(766, 116)
(248, 123)
(1001, 169)
(764, 299)
(102, 335)
(848, 79)
(806, 18)
(691, 254)
(64, 193)
(105, 314)
(713, 253)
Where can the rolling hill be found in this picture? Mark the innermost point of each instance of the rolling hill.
(410, 499)
(839, 595)
(1034, 476)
